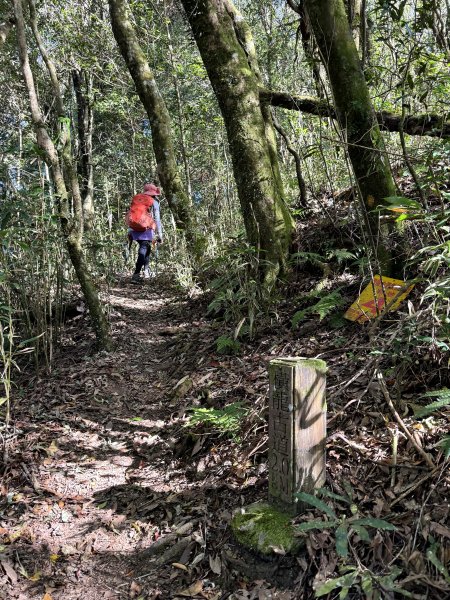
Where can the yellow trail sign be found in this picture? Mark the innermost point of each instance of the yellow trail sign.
(379, 293)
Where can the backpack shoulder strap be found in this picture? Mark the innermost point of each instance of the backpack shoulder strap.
(143, 199)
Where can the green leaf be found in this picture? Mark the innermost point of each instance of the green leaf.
(323, 307)
(431, 556)
(426, 410)
(376, 523)
(226, 421)
(388, 581)
(361, 531)
(299, 316)
(313, 501)
(342, 539)
(29, 340)
(330, 494)
(445, 444)
(367, 584)
(226, 345)
(327, 304)
(316, 524)
(340, 254)
(402, 202)
(444, 392)
(348, 488)
(328, 586)
(403, 592)
(345, 581)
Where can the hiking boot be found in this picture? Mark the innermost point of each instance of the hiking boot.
(136, 277)
(147, 274)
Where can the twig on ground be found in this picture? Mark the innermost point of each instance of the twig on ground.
(414, 486)
(360, 396)
(262, 443)
(341, 388)
(400, 421)
(394, 455)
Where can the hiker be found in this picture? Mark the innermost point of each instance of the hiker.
(143, 220)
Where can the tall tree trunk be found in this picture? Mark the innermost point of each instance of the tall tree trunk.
(82, 85)
(181, 120)
(72, 226)
(357, 18)
(227, 50)
(308, 44)
(177, 198)
(354, 20)
(365, 43)
(355, 114)
(440, 26)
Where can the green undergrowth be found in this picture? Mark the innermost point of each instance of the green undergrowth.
(223, 421)
(342, 520)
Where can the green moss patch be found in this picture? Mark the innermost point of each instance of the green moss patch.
(314, 363)
(264, 529)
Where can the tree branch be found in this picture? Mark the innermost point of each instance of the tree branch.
(423, 124)
(294, 6)
(297, 160)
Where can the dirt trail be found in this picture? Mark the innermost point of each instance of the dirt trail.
(103, 493)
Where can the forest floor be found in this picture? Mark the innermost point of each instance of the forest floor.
(106, 493)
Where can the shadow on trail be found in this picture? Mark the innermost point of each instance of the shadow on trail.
(109, 468)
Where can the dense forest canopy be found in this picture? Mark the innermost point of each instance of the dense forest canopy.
(203, 146)
(302, 149)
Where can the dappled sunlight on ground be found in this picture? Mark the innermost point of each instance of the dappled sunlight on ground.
(107, 493)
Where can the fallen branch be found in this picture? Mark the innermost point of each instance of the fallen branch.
(423, 124)
(400, 421)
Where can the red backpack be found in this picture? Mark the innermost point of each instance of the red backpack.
(138, 218)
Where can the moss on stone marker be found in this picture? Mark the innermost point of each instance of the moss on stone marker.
(314, 363)
(264, 529)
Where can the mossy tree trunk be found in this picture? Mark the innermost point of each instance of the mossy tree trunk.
(181, 120)
(355, 114)
(160, 123)
(227, 50)
(60, 165)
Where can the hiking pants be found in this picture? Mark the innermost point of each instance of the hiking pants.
(143, 258)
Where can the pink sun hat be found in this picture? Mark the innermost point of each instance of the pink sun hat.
(151, 189)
